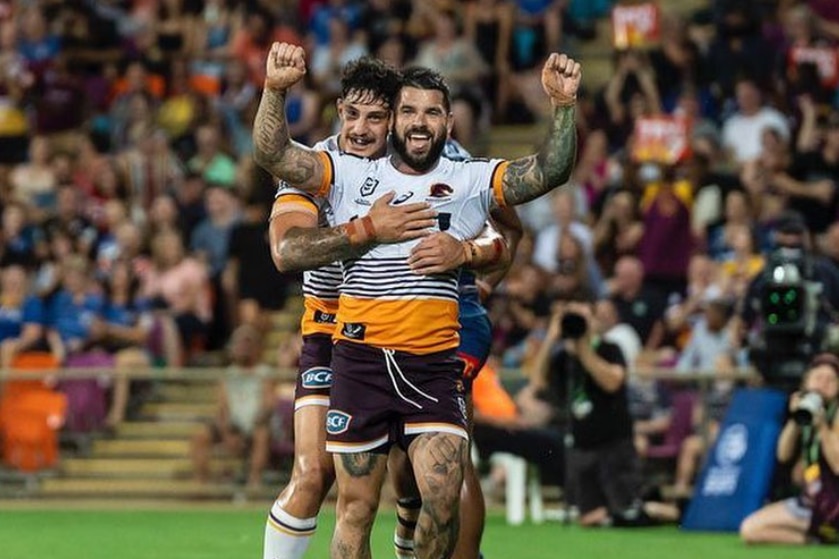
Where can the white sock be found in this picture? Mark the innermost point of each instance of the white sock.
(287, 537)
(403, 548)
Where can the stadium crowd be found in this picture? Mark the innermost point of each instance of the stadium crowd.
(133, 216)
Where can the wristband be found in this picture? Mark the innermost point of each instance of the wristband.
(361, 231)
(468, 253)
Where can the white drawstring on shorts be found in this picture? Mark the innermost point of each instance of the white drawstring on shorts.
(390, 362)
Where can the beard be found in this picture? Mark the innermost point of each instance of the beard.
(423, 162)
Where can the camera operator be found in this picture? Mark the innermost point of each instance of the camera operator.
(781, 350)
(584, 378)
(811, 434)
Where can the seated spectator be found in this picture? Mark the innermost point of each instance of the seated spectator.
(73, 316)
(812, 516)
(21, 315)
(500, 426)
(709, 345)
(123, 331)
(72, 310)
(180, 285)
(34, 183)
(328, 59)
(638, 305)
(20, 240)
(211, 161)
(245, 404)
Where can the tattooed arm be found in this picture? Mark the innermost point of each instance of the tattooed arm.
(297, 243)
(273, 148)
(530, 177)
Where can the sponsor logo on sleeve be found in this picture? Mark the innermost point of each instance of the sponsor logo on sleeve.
(337, 422)
(317, 377)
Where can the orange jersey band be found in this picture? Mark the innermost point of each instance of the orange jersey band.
(293, 203)
(316, 315)
(416, 326)
(498, 183)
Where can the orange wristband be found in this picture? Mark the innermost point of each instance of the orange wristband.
(361, 231)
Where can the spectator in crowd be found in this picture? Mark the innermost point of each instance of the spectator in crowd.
(329, 58)
(630, 93)
(179, 284)
(123, 331)
(34, 183)
(257, 287)
(245, 404)
(639, 305)
(812, 516)
(618, 230)
(73, 309)
(19, 240)
(211, 161)
(21, 315)
(488, 24)
(461, 64)
(742, 131)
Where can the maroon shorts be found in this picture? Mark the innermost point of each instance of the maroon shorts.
(314, 376)
(382, 397)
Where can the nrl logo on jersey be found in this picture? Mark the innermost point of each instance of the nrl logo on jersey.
(369, 186)
(440, 191)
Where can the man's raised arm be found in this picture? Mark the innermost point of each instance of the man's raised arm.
(532, 176)
(273, 148)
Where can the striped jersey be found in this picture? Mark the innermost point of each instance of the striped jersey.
(320, 286)
(383, 303)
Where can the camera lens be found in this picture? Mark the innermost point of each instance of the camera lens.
(810, 404)
(573, 326)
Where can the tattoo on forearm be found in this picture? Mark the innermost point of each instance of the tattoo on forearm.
(306, 249)
(273, 148)
(530, 177)
(360, 464)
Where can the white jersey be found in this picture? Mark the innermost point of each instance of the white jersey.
(383, 303)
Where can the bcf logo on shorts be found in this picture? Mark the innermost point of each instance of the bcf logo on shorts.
(337, 422)
(317, 377)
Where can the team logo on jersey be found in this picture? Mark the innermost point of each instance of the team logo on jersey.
(337, 422)
(402, 198)
(369, 186)
(317, 377)
(324, 317)
(440, 190)
(444, 220)
(354, 331)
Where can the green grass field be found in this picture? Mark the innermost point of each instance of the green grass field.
(236, 533)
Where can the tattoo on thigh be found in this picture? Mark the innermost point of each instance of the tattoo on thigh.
(360, 464)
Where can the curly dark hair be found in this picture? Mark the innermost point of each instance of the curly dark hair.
(369, 80)
(425, 78)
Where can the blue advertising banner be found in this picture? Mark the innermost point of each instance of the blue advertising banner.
(736, 476)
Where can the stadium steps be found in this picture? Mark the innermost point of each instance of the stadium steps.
(115, 488)
(157, 429)
(178, 411)
(151, 448)
(186, 392)
(168, 468)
